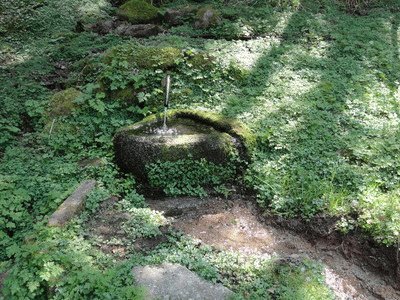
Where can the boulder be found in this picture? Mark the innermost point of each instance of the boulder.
(138, 30)
(72, 205)
(138, 147)
(138, 11)
(143, 57)
(207, 17)
(190, 135)
(175, 17)
(173, 281)
(104, 26)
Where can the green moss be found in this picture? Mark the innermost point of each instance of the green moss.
(163, 58)
(207, 17)
(221, 123)
(62, 103)
(200, 60)
(144, 57)
(138, 11)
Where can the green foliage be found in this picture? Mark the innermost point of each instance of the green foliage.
(13, 206)
(63, 103)
(358, 6)
(286, 3)
(138, 11)
(94, 199)
(189, 177)
(135, 199)
(55, 264)
(132, 73)
(143, 222)
(380, 215)
(319, 88)
(32, 178)
(249, 276)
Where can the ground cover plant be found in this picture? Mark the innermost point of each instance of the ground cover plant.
(318, 83)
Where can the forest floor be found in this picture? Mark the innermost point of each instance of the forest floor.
(236, 224)
(317, 85)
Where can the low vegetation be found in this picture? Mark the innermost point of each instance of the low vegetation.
(317, 83)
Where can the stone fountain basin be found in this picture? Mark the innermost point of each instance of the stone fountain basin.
(143, 143)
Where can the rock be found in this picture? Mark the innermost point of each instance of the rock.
(72, 205)
(136, 148)
(201, 135)
(104, 26)
(173, 281)
(207, 17)
(143, 57)
(176, 17)
(138, 11)
(91, 162)
(139, 30)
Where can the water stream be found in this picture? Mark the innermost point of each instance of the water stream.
(166, 100)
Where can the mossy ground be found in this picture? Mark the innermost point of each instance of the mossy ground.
(63, 103)
(318, 87)
(138, 11)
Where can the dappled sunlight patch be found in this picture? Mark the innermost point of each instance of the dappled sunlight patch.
(244, 53)
(93, 9)
(380, 214)
(144, 222)
(283, 22)
(247, 275)
(10, 57)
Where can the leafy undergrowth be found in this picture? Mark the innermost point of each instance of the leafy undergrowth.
(318, 86)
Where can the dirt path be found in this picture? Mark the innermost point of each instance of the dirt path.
(233, 224)
(352, 269)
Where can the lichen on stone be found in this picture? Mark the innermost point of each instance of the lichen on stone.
(138, 11)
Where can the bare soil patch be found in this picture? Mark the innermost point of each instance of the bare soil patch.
(355, 268)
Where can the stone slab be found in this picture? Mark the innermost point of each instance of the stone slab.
(72, 205)
(175, 282)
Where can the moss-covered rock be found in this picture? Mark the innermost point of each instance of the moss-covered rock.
(138, 11)
(207, 17)
(160, 57)
(144, 57)
(175, 17)
(219, 122)
(63, 103)
(130, 58)
(201, 135)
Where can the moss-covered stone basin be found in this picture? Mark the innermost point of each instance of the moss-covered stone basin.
(189, 135)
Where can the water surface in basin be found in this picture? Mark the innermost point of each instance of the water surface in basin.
(174, 127)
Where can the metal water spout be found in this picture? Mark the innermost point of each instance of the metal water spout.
(166, 99)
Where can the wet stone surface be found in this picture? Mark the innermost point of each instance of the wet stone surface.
(175, 282)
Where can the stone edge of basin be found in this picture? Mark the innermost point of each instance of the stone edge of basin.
(219, 122)
(72, 205)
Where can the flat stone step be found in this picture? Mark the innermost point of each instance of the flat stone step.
(176, 282)
(72, 205)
